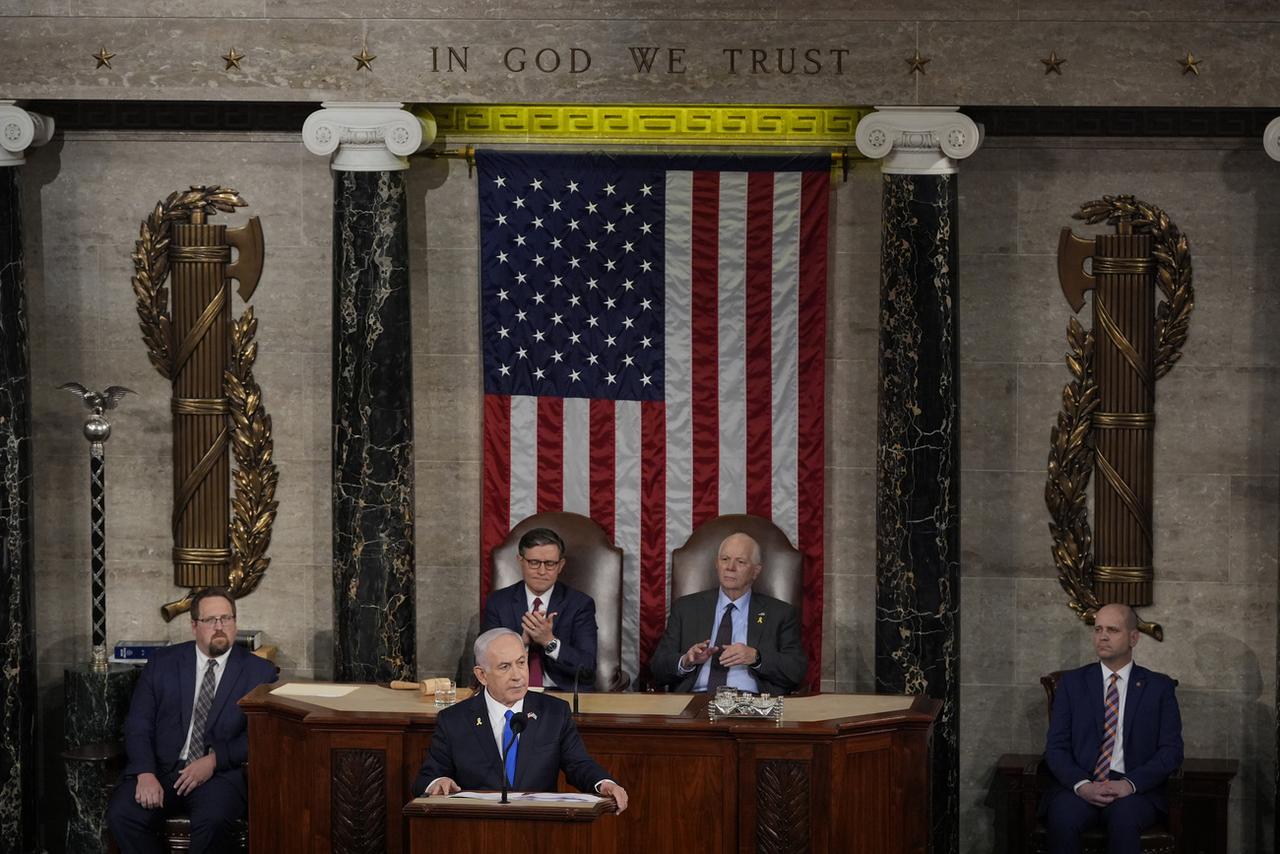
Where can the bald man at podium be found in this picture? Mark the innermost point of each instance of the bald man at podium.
(537, 732)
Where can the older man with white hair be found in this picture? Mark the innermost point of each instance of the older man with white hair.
(467, 746)
(731, 636)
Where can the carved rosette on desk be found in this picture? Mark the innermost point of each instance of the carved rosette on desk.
(1107, 420)
(217, 404)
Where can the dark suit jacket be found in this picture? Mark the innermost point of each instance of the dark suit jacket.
(772, 627)
(155, 731)
(464, 748)
(574, 625)
(1151, 731)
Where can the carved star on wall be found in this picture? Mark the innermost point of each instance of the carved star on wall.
(1191, 64)
(104, 57)
(232, 58)
(364, 58)
(1053, 64)
(917, 63)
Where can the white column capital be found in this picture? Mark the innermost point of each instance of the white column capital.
(918, 140)
(1271, 138)
(367, 137)
(20, 130)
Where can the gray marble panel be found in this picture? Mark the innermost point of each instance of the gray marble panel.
(1254, 520)
(851, 419)
(1012, 308)
(449, 513)
(302, 632)
(293, 302)
(1006, 525)
(1218, 193)
(853, 315)
(851, 521)
(1047, 634)
(1237, 312)
(977, 831)
(446, 303)
(303, 529)
(988, 187)
(60, 490)
(60, 282)
(448, 602)
(988, 410)
(1191, 523)
(1039, 401)
(853, 597)
(855, 209)
(1174, 10)
(989, 605)
(998, 719)
(448, 393)
(173, 9)
(1220, 420)
(294, 392)
(443, 203)
(1142, 62)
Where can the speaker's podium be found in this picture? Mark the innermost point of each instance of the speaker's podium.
(468, 826)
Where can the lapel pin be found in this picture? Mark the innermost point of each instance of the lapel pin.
(1138, 684)
(479, 722)
(760, 618)
(533, 716)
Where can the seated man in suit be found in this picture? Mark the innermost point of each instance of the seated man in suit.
(1115, 736)
(466, 747)
(185, 735)
(731, 636)
(557, 622)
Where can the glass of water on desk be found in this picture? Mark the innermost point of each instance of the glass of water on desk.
(446, 694)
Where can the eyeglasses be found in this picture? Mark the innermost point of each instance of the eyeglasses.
(216, 622)
(541, 564)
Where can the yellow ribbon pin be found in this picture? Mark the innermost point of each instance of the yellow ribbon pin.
(479, 722)
(760, 619)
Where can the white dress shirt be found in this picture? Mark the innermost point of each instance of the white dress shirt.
(529, 596)
(1122, 688)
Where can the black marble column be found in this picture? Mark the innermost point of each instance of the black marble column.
(17, 609)
(96, 705)
(918, 470)
(373, 561)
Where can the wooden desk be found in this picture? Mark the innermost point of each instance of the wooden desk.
(842, 773)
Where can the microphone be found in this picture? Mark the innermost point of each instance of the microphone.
(518, 722)
(577, 672)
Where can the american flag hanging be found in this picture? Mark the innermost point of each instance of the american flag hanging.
(654, 334)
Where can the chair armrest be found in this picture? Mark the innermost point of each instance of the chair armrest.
(1173, 792)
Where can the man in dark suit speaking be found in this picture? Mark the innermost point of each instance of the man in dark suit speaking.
(1115, 736)
(557, 622)
(731, 636)
(185, 735)
(466, 747)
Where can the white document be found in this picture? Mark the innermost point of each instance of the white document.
(553, 797)
(314, 689)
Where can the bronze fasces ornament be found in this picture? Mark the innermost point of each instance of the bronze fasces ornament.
(1107, 421)
(217, 405)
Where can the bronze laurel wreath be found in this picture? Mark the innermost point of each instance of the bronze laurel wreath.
(254, 505)
(1071, 454)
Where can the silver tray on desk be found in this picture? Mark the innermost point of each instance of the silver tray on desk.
(732, 703)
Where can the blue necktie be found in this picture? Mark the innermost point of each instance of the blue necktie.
(512, 745)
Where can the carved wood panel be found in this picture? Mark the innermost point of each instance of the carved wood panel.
(358, 807)
(782, 806)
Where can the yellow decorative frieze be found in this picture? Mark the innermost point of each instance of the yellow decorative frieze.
(648, 124)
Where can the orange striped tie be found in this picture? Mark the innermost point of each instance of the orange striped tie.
(1103, 767)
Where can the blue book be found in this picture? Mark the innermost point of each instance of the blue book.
(138, 650)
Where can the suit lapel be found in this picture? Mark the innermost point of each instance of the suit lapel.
(519, 602)
(1132, 699)
(226, 685)
(556, 600)
(483, 732)
(532, 706)
(757, 620)
(1097, 701)
(187, 685)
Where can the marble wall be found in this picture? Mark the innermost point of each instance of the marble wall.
(1217, 443)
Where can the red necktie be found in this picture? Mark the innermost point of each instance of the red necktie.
(535, 656)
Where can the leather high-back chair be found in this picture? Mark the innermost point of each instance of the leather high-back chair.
(592, 565)
(693, 565)
(1161, 838)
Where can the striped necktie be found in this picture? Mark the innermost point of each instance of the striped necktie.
(195, 749)
(1111, 722)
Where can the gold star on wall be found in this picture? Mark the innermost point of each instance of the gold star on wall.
(232, 58)
(364, 58)
(104, 57)
(917, 63)
(1191, 64)
(1053, 64)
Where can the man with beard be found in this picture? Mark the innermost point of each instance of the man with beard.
(185, 735)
